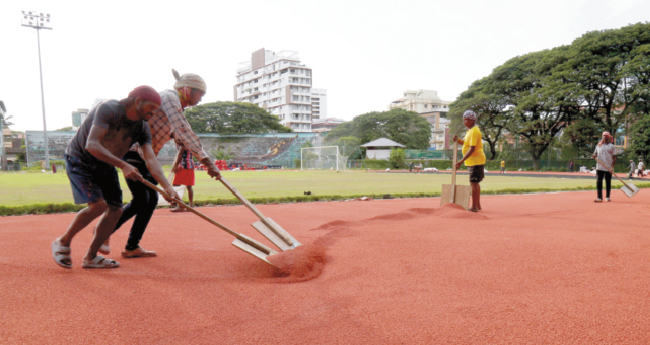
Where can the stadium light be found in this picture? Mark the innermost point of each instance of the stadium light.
(38, 21)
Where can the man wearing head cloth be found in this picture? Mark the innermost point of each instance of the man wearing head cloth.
(605, 153)
(473, 157)
(108, 132)
(167, 123)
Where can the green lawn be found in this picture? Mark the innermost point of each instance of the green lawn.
(18, 189)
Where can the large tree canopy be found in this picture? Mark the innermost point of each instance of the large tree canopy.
(599, 82)
(403, 126)
(233, 118)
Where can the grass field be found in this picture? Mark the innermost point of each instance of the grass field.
(18, 189)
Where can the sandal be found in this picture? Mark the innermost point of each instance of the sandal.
(105, 249)
(100, 262)
(598, 200)
(138, 253)
(60, 253)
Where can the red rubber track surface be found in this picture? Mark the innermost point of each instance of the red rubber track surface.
(532, 269)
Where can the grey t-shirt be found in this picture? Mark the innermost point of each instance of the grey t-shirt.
(605, 153)
(121, 135)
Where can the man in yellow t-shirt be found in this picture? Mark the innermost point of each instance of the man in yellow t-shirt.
(503, 166)
(473, 157)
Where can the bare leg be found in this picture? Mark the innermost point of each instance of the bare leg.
(190, 195)
(476, 195)
(104, 230)
(83, 218)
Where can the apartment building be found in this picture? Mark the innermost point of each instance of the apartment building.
(433, 109)
(279, 83)
(318, 105)
(420, 101)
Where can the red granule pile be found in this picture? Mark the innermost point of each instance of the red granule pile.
(303, 263)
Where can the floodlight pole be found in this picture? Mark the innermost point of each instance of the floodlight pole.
(36, 26)
(40, 69)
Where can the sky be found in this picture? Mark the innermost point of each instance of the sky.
(364, 52)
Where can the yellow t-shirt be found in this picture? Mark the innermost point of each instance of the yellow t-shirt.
(503, 164)
(473, 137)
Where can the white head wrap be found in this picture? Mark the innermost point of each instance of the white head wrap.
(190, 80)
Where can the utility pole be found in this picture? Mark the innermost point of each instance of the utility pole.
(40, 21)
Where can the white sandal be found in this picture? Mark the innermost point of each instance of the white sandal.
(60, 253)
(101, 262)
(105, 249)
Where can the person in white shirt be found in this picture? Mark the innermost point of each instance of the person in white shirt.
(606, 153)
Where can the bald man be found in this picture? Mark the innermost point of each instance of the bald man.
(108, 132)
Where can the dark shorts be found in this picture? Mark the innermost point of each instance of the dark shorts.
(91, 183)
(476, 173)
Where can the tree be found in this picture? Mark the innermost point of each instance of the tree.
(348, 146)
(221, 154)
(491, 108)
(233, 118)
(397, 158)
(641, 134)
(609, 70)
(405, 127)
(6, 120)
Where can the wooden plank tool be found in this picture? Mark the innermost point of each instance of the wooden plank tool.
(455, 194)
(266, 226)
(242, 242)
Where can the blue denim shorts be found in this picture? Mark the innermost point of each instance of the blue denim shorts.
(92, 183)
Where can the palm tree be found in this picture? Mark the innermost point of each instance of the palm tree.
(6, 120)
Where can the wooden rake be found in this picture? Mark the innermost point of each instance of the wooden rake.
(242, 242)
(266, 226)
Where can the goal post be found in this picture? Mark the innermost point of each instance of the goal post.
(322, 158)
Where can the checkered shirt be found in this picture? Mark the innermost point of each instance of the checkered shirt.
(169, 122)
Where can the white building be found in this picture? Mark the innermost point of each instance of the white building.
(278, 83)
(420, 101)
(433, 109)
(318, 105)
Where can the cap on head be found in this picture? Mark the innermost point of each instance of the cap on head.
(146, 93)
(189, 80)
(470, 115)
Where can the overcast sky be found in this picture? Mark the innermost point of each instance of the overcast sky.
(365, 53)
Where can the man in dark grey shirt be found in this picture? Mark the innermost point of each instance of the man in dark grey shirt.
(110, 129)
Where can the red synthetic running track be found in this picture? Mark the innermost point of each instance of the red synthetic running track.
(535, 269)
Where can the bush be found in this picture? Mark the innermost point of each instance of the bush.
(397, 158)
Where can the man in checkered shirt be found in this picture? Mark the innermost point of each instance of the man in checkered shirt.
(167, 123)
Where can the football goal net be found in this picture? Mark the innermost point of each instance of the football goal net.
(322, 158)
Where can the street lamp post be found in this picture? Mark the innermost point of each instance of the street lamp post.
(40, 21)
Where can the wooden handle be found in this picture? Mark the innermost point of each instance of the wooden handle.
(254, 209)
(453, 173)
(181, 203)
(612, 172)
